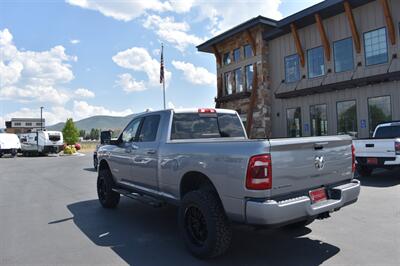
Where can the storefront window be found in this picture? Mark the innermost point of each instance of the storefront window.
(293, 118)
(238, 80)
(319, 120)
(228, 83)
(248, 70)
(379, 111)
(347, 118)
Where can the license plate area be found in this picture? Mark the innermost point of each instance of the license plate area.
(372, 160)
(318, 195)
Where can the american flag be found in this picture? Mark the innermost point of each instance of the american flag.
(162, 65)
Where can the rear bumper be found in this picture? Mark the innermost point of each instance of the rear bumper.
(273, 212)
(382, 161)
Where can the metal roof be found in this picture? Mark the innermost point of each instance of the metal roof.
(206, 47)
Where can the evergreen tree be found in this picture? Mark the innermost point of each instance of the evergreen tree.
(70, 132)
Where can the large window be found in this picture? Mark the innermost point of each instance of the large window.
(238, 80)
(292, 68)
(227, 58)
(347, 118)
(319, 120)
(228, 83)
(316, 65)
(148, 131)
(248, 71)
(130, 132)
(236, 55)
(375, 45)
(293, 118)
(248, 51)
(379, 110)
(343, 54)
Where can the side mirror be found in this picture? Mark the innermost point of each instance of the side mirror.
(105, 137)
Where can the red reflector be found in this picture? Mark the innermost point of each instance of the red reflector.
(259, 172)
(353, 159)
(206, 110)
(397, 147)
(317, 195)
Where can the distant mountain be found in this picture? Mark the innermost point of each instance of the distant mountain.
(100, 121)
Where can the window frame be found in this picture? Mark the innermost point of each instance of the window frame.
(327, 126)
(284, 63)
(371, 131)
(246, 86)
(387, 47)
(244, 51)
(227, 78)
(337, 114)
(228, 57)
(233, 55)
(352, 54)
(235, 81)
(308, 62)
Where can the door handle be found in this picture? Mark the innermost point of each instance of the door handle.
(135, 147)
(151, 151)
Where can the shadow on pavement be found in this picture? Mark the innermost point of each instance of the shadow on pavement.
(90, 169)
(142, 235)
(381, 178)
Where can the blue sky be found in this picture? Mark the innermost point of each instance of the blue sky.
(79, 58)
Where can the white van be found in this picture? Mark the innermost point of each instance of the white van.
(9, 144)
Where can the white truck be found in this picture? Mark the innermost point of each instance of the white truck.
(9, 144)
(41, 142)
(381, 151)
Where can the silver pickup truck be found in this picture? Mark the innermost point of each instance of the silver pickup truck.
(202, 161)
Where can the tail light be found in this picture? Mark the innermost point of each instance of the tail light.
(397, 147)
(259, 172)
(206, 110)
(353, 159)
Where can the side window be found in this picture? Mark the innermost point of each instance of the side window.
(149, 128)
(130, 131)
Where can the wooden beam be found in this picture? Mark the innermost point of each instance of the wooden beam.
(252, 41)
(324, 38)
(353, 26)
(299, 48)
(217, 55)
(252, 103)
(389, 21)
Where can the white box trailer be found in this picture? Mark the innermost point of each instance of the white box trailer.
(9, 144)
(41, 142)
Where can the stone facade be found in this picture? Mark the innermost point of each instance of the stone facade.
(261, 126)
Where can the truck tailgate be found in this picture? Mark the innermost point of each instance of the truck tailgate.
(306, 163)
(375, 148)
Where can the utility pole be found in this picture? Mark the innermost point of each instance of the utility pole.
(41, 118)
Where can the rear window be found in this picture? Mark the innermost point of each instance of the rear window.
(388, 132)
(194, 126)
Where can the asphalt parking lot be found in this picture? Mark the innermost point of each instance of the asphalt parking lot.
(49, 214)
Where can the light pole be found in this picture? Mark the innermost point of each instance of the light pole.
(41, 118)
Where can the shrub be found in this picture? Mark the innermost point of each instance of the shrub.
(69, 149)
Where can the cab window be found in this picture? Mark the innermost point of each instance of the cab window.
(130, 131)
(149, 129)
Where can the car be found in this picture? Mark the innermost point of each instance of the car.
(381, 151)
(202, 161)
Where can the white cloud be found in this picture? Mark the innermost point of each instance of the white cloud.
(195, 75)
(129, 84)
(85, 93)
(138, 59)
(82, 109)
(171, 105)
(173, 32)
(33, 76)
(74, 41)
(123, 10)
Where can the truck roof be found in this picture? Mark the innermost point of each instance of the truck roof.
(190, 110)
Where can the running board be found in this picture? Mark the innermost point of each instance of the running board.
(141, 197)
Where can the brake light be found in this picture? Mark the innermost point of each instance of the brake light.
(397, 147)
(259, 172)
(206, 110)
(353, 159)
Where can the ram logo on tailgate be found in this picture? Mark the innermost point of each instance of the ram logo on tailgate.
(319, 162)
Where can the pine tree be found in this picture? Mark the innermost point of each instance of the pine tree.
(70, 132)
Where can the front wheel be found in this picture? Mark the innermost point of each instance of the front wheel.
(108, 198)
(364, 170)
(203, 224)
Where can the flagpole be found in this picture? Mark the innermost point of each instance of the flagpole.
(164, 92)
(162, 75)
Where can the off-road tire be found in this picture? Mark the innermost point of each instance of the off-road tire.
(108, 198)
(219, 235)
(364, 170)
(14, 153)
